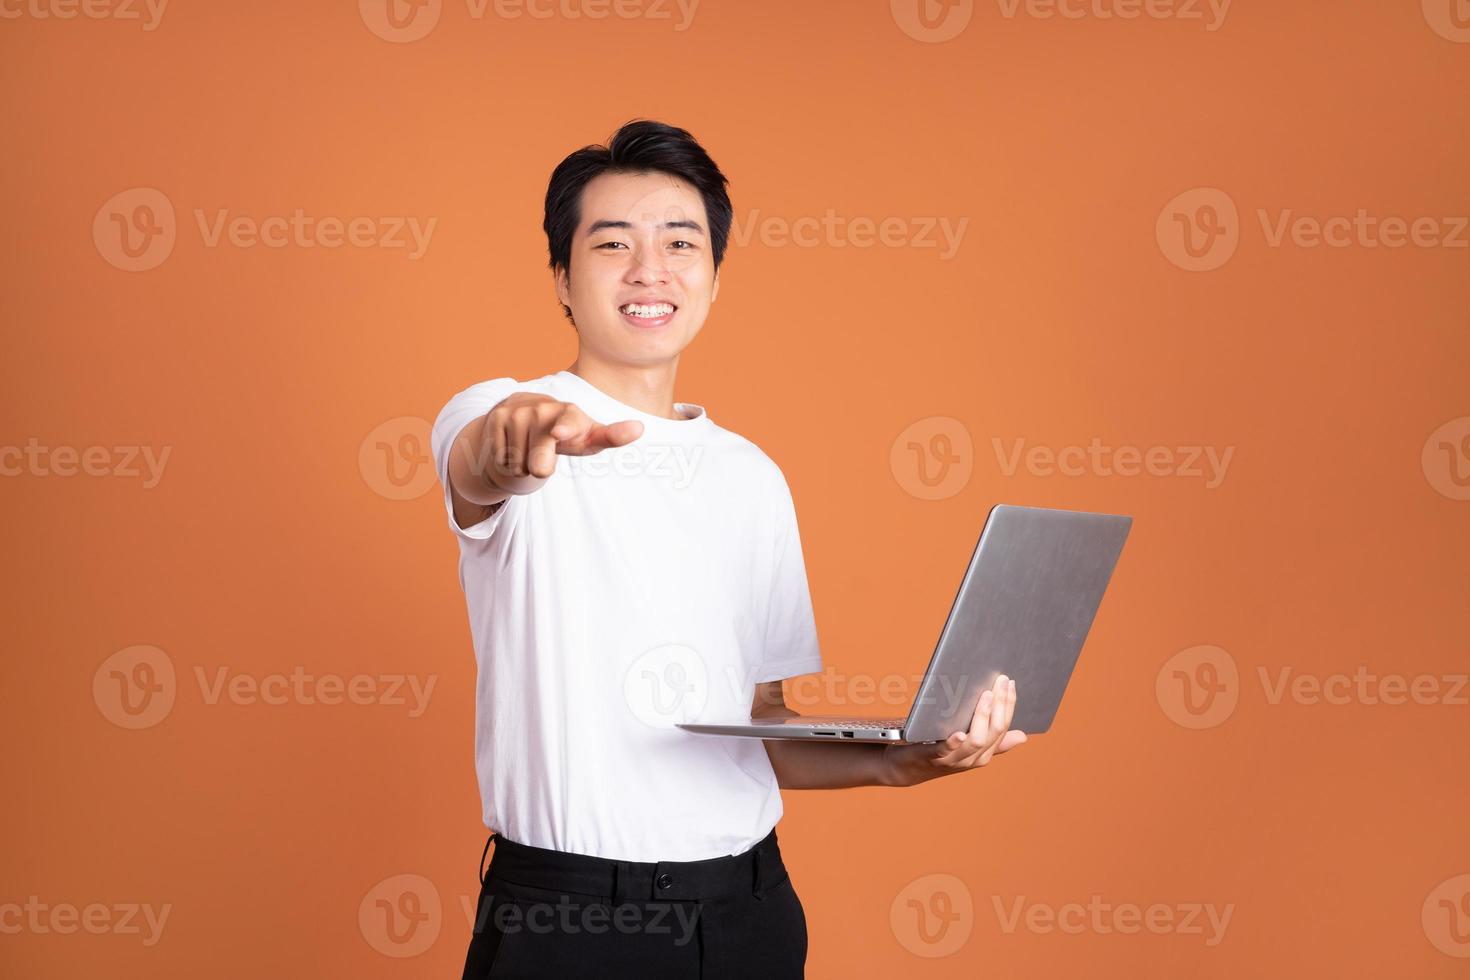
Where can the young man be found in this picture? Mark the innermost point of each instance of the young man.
(628, 564)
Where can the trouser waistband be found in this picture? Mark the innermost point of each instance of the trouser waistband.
(751, 872)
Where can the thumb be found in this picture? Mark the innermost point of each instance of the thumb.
(1010, 740)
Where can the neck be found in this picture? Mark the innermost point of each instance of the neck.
(648, 388)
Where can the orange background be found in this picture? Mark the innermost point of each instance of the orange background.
(266, 548)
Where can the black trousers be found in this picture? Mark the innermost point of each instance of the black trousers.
(547, 913)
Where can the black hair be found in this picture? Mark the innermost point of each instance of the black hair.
(639, 146)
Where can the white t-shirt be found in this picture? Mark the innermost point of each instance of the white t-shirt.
(645, 585)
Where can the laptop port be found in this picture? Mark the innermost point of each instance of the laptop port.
(833, 734)
(848, 735)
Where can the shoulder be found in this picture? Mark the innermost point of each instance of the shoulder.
(504, 386)
(484, 395)
(762, 470)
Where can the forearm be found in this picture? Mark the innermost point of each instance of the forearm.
(828, 765)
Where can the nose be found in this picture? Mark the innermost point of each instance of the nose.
(650, 267)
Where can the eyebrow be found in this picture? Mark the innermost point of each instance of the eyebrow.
(597, 226)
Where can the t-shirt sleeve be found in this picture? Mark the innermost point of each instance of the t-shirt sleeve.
(461, 410)
(791, 630)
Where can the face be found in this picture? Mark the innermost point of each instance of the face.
(642, 274)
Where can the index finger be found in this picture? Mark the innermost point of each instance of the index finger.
(598, 437)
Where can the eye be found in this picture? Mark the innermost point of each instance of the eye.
(610, 244)
(687, 244)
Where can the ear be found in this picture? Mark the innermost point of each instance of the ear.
(563, 290)
(716, 290)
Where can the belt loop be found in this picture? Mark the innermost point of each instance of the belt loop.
(755, 854)
(483, 869)
(617, 883)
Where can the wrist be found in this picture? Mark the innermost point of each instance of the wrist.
(898, 767)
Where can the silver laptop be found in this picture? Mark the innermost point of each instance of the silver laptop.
(1023, 609)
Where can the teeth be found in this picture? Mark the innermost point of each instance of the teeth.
(655, 310)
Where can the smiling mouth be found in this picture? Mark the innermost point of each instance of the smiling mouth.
(647, 311)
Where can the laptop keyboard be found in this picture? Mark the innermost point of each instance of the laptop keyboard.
(859, 723)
